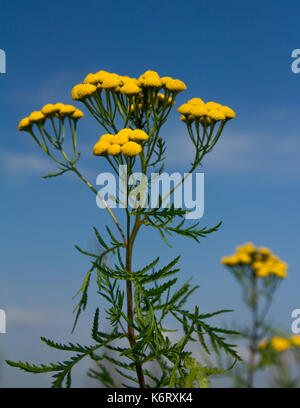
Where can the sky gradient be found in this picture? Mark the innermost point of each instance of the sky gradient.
(229, 52)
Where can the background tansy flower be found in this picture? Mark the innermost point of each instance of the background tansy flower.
(262, 261)
(263, 344)
(131, 149)
(295, 339)
(280, 344)
(24, 124)
(36, 117)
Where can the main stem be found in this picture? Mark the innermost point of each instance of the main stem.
(253, 337)
(130, 312)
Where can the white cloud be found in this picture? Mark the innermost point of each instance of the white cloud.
(18, 162)
(17, 316)
(247, 153)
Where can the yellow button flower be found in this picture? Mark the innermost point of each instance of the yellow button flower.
(49, 110)
(138, 134)
(175, 85)
(111, 81)
(196, 101)
(131, 149)
(185, 109)
(100, 148)
(67, 110)
(280, 344)
(107, 138)
(77, 114)
(36, 117)
(216, 115)
(295, 339)
(130, 89)
(114, 149)
(228, 112)
(199, 110)
(82, 91)
(213, 105)
(24, 124)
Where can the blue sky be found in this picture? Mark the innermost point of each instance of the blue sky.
(231, 52)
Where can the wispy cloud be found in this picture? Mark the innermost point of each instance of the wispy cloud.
(246, 153)
(20, 163)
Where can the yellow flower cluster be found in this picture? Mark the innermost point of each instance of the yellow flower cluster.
(196, 109)
(280, 344)
(49, 111)
(124, 84)
(124, 142)
(262, 261)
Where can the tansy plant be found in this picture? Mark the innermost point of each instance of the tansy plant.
(131, 113)
(281, 353)
(259, 272)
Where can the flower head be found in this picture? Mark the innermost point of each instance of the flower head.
(280, 344)
(131, 149)
(24, 124)
(36, 117)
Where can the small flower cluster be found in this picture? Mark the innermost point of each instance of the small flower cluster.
(160, 101)
(280, 344)
(124, 142)
(58, 110)
(205, 113)
(262, 261)
(124, 84)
